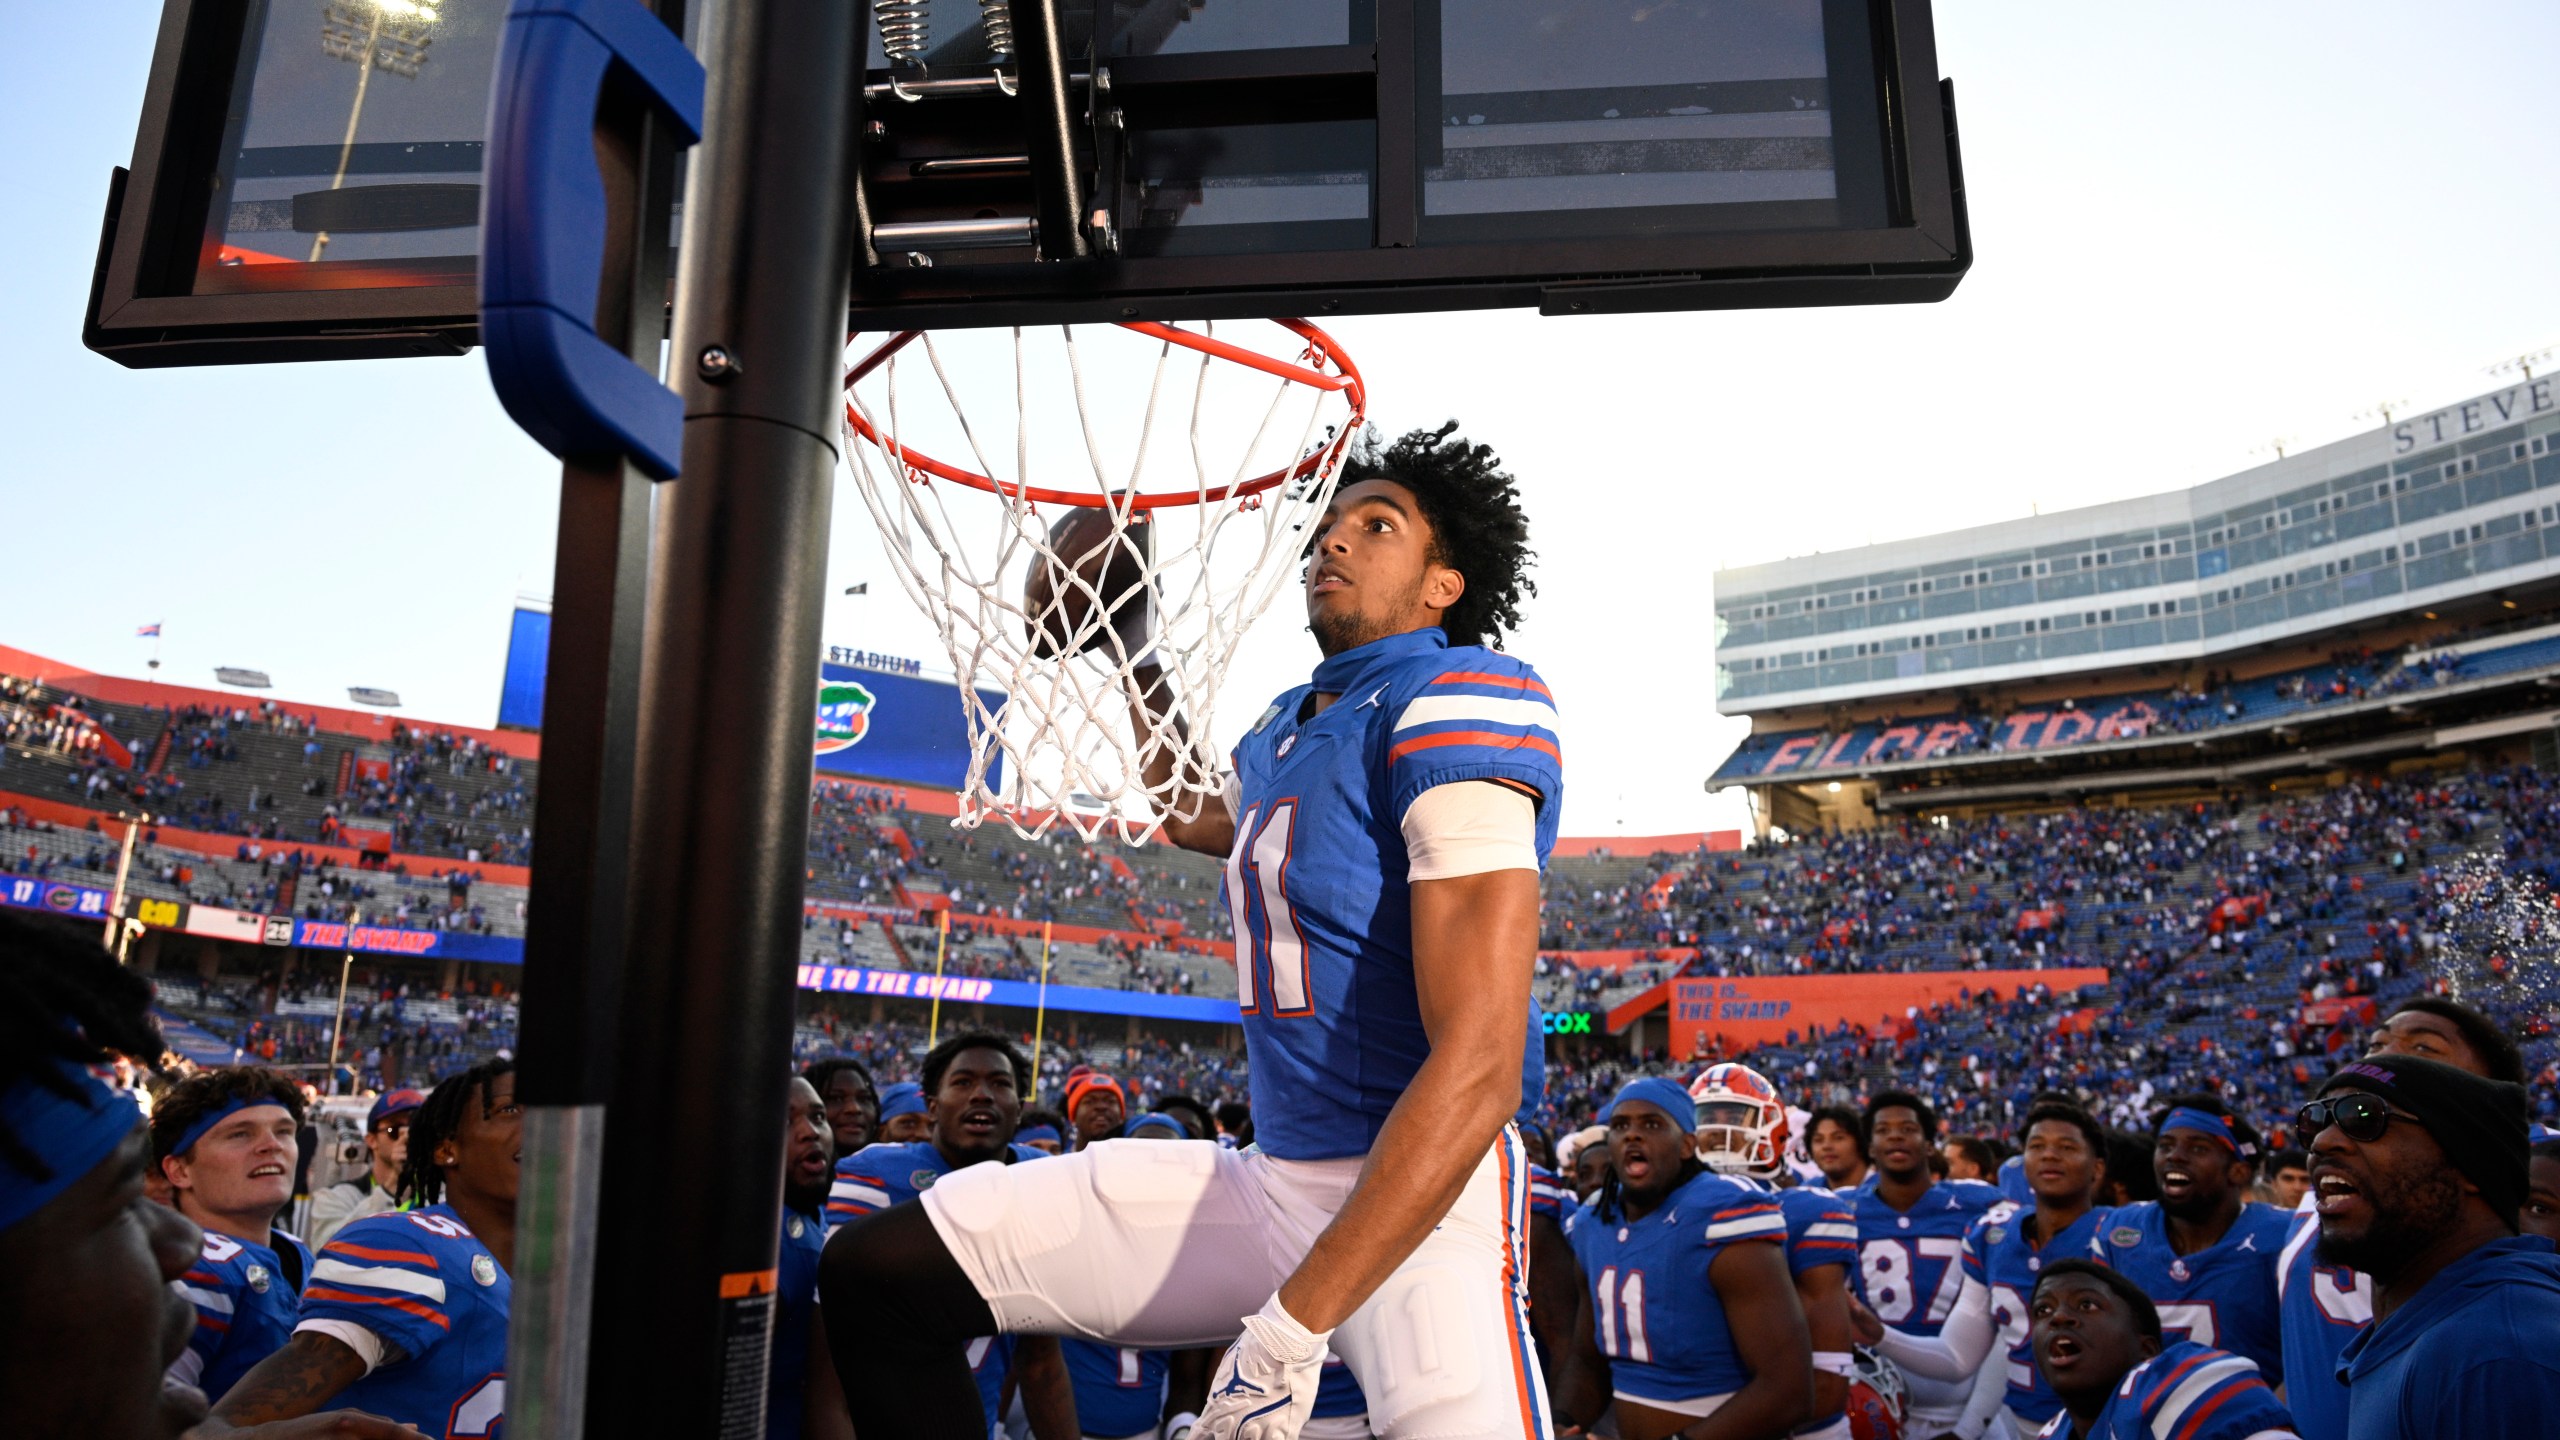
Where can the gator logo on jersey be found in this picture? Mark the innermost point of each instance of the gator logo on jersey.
(484, 1270)
(922, 1180)
(1994, 1235)
(1267, 717)
(844, 715)
(2124, 1235)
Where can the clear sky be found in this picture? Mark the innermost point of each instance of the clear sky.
(2201, 228)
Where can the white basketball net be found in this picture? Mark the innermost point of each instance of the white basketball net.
(1222, 464)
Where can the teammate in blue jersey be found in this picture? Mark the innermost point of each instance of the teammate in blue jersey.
(974, 1085)
(2205, 1254)
(2004, 1253)
(1385, 827)
(1742, 1131)
(800, 1381)
(2098, 1342)
(225, 1141)
(406, 1313)
(1911, 1229)
(1688, 1309)
(1341, 1412)
(2420, 1172)
(2324, 1305)
(2013, 1184)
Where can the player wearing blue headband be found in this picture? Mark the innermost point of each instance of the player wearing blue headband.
(902, 1114)
(2203, 1252)
(224, 1139)
(88, 1310)
(1688, 1311)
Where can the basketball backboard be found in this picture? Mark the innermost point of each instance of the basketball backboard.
(306, 176)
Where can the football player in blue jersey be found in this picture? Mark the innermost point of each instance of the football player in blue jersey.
(1742, 1130)
(406, 1313)
(1911, 1229)
(974, 1084)
(2098, 1342)
(1689, 1317)
(225, 1140)
(2204, 1252)
(2419, 1171)
(2323, 1304)
(902, 1117)
(2004, 1252)
(1384, 829)
(801, 1394)
(89, 1310)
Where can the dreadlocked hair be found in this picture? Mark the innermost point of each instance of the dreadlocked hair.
(1477, 528)
(1608, 1206)
(439, 1120)
(63, 999)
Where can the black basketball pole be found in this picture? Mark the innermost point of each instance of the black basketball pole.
(576, 919)
(691, 1208)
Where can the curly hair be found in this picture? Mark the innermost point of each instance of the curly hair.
(62, 998)
(206, 1091)
(439, 1120)
(1477, 527)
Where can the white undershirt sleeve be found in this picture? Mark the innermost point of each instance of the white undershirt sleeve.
(366, 1344)
(1470, 827)
(1956, 1352)
(1231, 795)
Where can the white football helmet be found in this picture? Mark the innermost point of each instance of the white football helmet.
(1742, 1124)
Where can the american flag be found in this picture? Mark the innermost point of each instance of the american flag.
(147, 631)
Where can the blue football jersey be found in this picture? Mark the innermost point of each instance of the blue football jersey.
(1119, 1391)
(991, 1364)
(1550, 1196)
(1910, 1273)
(2223, 1296)
(2000, 1256)
(2012, 1181)
(247, 1298)
(2188, 1392)
(1654, 1310)
(879, 1176)
(424, 1283)
(1822, 1229)
(2322, 1307)
(1318, 882)
(795, 1301)
(1909, 1269)
(1337, 1394)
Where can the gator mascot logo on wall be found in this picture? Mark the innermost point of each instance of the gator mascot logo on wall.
(844, 715)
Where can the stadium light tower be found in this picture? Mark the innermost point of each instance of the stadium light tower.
(2515, 364)
(2380, 410)
(371, 35)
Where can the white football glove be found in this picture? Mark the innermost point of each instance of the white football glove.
(1266, 1385)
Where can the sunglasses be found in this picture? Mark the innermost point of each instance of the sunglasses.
(2360, 1116)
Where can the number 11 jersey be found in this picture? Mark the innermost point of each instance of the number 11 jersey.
(1319, 881)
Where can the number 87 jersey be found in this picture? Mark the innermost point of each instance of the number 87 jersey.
(1910, 1272)
(1320, 882)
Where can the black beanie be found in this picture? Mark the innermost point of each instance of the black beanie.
(2479, 1122)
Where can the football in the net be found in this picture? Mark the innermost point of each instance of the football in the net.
(1091, 560)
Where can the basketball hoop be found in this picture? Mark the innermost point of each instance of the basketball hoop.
(1140, 536)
